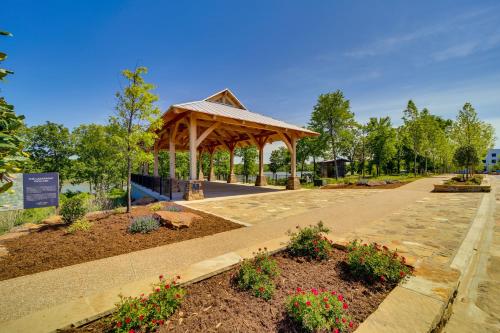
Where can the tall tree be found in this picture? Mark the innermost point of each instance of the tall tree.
(248, 156)
(414, 132)
(137, 118)
(381, 141)
(332, 117)
(50, 147)
(98, 158)
(278, 160)
(469, 130)
(11, 144)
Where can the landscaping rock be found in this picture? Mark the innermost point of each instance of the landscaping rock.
(176, 220)
(376, 183)
(53, 220)
(143, 201)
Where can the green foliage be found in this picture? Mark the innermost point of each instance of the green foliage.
(143, 224)
(373, 262)
(460, 180)
(332, 118)
(79, 225)
(309, 242)
(467, 157)
(381, 141)
(319, 310)
(137, 117)
(156, 207)
(11, 145)
(148, 313)
(13, 218)
(50, 147)
(257, 275)
(73, 209)
(279, 159)
(248, 156)
(173, 209)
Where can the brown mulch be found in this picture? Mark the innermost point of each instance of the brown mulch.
(214, 305)
(365, 187)
(54, 248)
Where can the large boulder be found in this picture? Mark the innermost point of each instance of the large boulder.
(176, 220)
(376, 183)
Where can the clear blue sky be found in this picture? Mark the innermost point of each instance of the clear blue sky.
(277, 56)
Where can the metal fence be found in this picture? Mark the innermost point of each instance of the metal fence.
(158, 184)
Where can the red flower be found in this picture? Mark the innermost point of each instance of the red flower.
(335, 330)
(131, 331)
(344, 320)
(174, 283)
(128, 320)
(259, 269)
(402, 274)
(161, 277)
(334, 293)
(327, 306)
(119, 324)
(299, 289)
(316, 249)
(161, 322)
(261, 289)
(141, 317)
(296, 304)
(351, 324)
(308, 303)
(167, 286)
(337, 320)
(157, 289)
(340, 297)
(325, 299)
(314, 291)
(382, 278)
(315, 242)
(345, 306)
(177, 296)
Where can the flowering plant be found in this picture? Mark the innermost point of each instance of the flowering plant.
(257, 275)
(315, 310)
(146, 313)
(309, 242)
(375, 262)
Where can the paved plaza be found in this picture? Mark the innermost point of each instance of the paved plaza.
(427, 227)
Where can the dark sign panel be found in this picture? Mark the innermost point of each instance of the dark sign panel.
(40, 189)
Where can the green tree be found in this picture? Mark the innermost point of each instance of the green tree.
(381, 141)
(332, 117)
(469, 130)
(467, 157)
(98, 161)
(221, 163)
(248, 156)
(11, 144)
(414, 131)
(50, 147)
(136, 119)
(278, 160)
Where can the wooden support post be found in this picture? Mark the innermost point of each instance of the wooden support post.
(155, 162)
(231, 178)
(293, 182)
(261, 179)
(192, 148)
(211, 173)
(200, 167)
(171, 153)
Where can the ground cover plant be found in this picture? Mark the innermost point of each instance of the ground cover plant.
(147, 313)
(143, 224)
(79, 225)
(310, 242)
(172, 209)
(258, 275)
(373, 262)
(317, 310)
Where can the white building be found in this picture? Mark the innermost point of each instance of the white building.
(492, 158)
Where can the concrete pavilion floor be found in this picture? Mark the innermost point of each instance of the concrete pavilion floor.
(221, 189)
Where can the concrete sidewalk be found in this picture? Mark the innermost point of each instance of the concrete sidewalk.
(423, 224)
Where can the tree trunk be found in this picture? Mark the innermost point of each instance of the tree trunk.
(415, 163)
(129, 196)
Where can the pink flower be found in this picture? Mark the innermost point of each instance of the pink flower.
(335, 330)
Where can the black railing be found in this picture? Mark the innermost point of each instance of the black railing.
(161, 185)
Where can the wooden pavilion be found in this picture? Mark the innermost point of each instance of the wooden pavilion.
(221, 121)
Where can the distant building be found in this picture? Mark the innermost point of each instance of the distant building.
(492, 158)
(327, 168)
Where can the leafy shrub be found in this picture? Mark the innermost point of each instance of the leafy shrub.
(172, 209)
(79, 225)
(147, 313)
(373, 262)
(257, 275)
(72, 209)
(309, 242)
(315, 310)
(143, 224)
(118, 197)
(156, 207)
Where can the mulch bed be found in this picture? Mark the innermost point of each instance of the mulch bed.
(214, 305)
(363, 187)
(54, 248)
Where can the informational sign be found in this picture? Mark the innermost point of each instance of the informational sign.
(40, 190)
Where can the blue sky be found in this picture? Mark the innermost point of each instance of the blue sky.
(277, 56)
